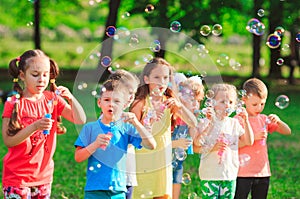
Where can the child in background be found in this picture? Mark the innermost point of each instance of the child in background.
(219, 160)
(131, 82)
(30, 137)
(191, 93)
(104, 143)
(254, 175)
(154, 106)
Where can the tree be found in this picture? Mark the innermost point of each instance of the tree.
(107, 42)
(37, 34)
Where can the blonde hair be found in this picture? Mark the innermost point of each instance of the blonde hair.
(196, 88)
(224, 87)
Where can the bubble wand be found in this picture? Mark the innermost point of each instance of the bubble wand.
(48, 115)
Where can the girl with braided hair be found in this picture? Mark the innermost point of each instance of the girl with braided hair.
(30, 136)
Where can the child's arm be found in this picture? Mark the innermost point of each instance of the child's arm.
(73, 111)
(148, 140)
(181, 111)
(183, 143)
(136, 108)
(248, 137)
(83, 153)
(10, 141)
(282, 128)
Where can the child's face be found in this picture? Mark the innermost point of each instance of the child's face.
(224, 101)
(36, 76)
(254, 104)
(189, 99)
(158, 79)
(112, 104)
(131, 95)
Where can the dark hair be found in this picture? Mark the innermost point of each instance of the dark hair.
(21, 64)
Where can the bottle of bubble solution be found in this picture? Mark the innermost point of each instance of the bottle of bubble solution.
(190, 148)
(47, 132)
(265, 129)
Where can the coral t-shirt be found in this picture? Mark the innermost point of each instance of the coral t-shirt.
(30, 162)
(254, 161)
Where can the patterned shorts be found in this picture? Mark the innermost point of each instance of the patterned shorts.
(218, 189)
(37, 192)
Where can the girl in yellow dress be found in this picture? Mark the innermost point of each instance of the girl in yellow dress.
(156, 107)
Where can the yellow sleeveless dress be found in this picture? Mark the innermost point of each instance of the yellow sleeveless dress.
(153, 167)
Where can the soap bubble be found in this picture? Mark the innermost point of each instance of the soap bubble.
(188, 46)
(217, 29)
(298, 37)
(261, 12)
(192, 195)
(110, 31)
(282, 101)
(244, 159)
(279, 61)
(149, 8)
(155, 46)
(106, 61)
(223, 59)
(279, 31)
(186, 179)
(175, 26)
(125, 15)
(205, 30)
(273, 41)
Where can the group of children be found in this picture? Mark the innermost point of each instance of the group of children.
(136, 148)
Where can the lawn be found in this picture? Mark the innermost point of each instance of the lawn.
(284, 151)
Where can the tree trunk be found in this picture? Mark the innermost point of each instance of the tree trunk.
(256, 41)
(37, 34)
(107, 42)
(256, 56)
(163, 22)
(275, 20)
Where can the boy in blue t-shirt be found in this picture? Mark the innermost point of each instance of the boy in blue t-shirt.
(104, 143)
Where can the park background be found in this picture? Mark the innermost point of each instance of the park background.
(72, 32)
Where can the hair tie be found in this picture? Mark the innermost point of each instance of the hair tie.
(15, 80)
(52, 81)
(18, 58)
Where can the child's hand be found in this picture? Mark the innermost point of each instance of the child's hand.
(43, 124)
(243, 113)
(220, 146)
(182, 143)
(64, 92)
(103, 140)
(129, 117)
(209, 111)
(274, 118)
(261, 135)
(172, 103)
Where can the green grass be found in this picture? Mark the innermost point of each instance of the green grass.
(284, 152)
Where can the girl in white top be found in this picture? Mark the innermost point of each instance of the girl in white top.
(218, 139)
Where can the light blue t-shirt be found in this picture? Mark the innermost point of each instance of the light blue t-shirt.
(106, 169)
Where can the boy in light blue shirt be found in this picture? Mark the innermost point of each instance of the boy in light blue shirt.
(104, 143)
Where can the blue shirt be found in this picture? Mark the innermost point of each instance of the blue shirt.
(106, 169)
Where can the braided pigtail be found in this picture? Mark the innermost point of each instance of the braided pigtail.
(54, 72)
(14, 126)
(14, 71)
